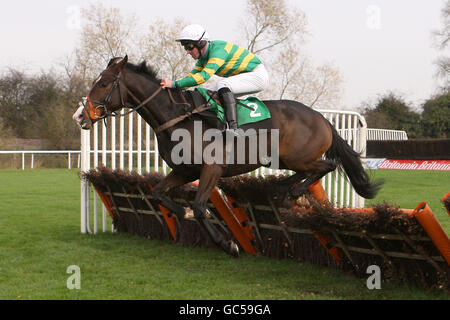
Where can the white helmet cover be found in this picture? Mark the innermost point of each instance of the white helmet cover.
(193, 32)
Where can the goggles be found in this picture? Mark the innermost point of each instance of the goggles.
(188, 45)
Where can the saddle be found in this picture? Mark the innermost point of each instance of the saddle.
(249, 110)
(205, 104)
(209, 116)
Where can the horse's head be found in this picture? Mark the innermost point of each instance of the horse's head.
(105, 96)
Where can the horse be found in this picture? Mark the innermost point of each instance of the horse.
(307, 142)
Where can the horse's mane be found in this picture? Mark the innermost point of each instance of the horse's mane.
(145, 70)
(141, 68)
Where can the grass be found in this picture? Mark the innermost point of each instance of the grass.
(40, 238)
(408, 188)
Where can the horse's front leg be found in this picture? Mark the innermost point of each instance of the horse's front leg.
(172, 180)
(209, 176)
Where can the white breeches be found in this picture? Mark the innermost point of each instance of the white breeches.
(246, 83)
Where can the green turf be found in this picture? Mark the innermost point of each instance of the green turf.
(408, 188)
(40, 238)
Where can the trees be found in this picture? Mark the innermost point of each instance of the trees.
(105, 33)
(436, 116)
(295, 77)
(442, 37)
(392, 112)
(16, 102)
(270, 23)
(37, 107)
(159, 47)
(276, 32)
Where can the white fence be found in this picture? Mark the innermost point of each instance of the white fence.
(353, 129)
(372, 134)
(128, 143)
(386, 134)
(32, 153)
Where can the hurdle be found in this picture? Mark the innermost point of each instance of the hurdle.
(403, 242)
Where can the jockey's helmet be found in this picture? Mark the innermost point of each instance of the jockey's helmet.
(192, 36)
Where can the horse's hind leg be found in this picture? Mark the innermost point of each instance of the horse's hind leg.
(282, 188)
(321, 168)
(208, 178)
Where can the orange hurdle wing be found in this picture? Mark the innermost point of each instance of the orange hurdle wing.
(106, 201)
(232, 221)
(434, 229)
(446, 201)
(171, 223)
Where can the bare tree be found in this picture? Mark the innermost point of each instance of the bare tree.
(442, 38)
(295, 77)
(443, 35)
(273, 29)
(290, 68)
(269, 23)
(324, 87)
(160, 48)
(106, 33)
(276, 32)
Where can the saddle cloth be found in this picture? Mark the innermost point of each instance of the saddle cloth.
(249, 110)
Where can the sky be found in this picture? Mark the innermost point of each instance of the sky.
(379, 46)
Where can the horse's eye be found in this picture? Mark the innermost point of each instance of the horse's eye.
(103, 84)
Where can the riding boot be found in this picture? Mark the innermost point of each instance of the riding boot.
(229, 103)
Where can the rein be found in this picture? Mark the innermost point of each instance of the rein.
(180, 118)
(164, 126)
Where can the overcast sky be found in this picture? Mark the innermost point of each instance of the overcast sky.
(378, 45)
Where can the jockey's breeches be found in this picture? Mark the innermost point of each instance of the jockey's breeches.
(246, 83)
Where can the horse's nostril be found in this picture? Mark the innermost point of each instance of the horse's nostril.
(78, 115)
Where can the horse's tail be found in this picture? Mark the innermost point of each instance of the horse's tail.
(350, 161)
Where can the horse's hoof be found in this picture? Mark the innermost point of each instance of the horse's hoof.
(181, 212)
(231, 248)
(294, 195)
(178, 210)
(278, 196)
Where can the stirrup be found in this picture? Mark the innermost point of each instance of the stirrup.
(234, 132)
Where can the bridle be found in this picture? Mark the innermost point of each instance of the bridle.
(104, 113)
(102, 105)
(106, 101)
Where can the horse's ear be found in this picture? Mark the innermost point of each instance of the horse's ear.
(122, 63)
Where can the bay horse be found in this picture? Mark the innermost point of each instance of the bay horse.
(304, 137)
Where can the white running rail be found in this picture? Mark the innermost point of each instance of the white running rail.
(386, 134)
(32, 153)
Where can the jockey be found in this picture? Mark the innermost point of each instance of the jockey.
(243, 72)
